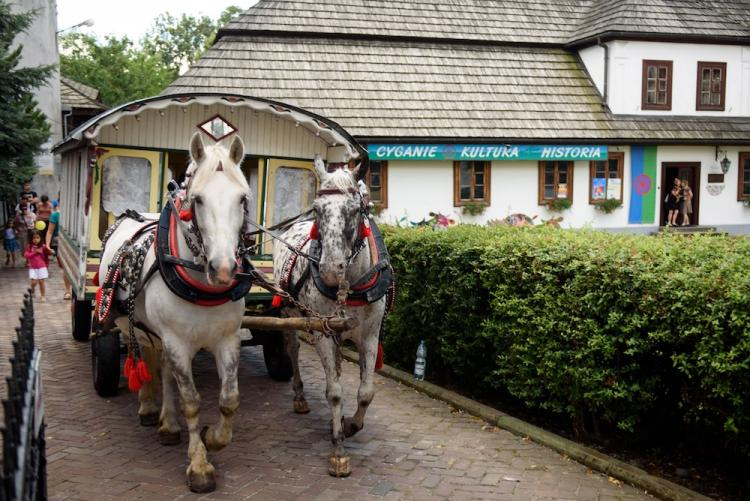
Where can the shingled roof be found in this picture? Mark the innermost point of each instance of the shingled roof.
(557, 22)
(77, 95)
(380, 90)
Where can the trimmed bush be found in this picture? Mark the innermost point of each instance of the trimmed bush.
(629, 333)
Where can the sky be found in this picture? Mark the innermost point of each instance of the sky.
(133, 17)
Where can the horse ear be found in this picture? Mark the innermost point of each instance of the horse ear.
(237, 150)
(355, 171)
(320, 167)
(197, 148)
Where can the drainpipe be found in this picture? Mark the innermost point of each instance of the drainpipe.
(606, 70)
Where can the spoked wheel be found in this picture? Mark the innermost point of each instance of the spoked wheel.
(81, 319)
(277, 361)
(105, 363)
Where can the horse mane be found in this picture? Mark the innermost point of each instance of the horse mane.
(342, 180)
(214, 155)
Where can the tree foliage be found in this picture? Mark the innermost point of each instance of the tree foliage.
(23, 127)
(124, 71)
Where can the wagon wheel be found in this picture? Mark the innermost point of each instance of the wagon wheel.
(81, 319)
(277, 361)
(105, 363)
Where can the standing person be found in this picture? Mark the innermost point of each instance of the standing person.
(43, 213)
(686, 202)
(10, 244)
(19, 224)
(37, 257)
(29, 196)
(673, 205)
(51, 241)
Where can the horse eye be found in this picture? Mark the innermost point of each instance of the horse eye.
(198, 200)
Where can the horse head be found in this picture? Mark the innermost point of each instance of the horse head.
(217, 193)
(340, 213)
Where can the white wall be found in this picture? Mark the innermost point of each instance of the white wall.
(626, 66)
(416, 188)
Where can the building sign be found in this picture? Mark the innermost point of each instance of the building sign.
(485, 152)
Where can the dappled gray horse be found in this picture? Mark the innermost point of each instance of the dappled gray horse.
(351, 278)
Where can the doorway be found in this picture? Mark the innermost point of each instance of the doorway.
(690, 171)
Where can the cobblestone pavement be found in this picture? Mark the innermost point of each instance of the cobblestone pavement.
(412, 447)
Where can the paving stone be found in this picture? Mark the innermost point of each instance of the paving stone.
(411, 448)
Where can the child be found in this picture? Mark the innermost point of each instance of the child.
(37, 256)
(673, 205)
(10, 243)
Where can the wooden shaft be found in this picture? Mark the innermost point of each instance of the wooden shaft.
(298, 323)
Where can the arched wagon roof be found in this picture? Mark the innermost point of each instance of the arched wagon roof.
(329, 131)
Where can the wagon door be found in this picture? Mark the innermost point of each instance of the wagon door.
(290, 189)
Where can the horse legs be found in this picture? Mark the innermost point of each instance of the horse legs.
(148, 411)
(227, 355)
(292, 349)
(338, 465)
(368, 351)
(169, 428)
(201, 475)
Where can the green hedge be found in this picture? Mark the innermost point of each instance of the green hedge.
(625, 332)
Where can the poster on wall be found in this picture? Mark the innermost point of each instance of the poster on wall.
(614, 186)
(562, 190)
(598, 187)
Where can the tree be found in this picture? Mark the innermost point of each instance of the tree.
(180, 42)
(23, 127)
(120, 71)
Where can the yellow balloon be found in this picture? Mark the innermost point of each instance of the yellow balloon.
(40, 225)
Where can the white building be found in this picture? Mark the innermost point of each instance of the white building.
(508, 106)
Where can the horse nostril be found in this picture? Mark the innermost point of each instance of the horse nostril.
(341, 266)
(211, 267)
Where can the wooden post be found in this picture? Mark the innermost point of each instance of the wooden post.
(298, 323)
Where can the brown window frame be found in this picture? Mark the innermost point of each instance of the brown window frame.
(743, 156)
(540, 179)
(457, 200)
(613, 155)
(383, 202)
(644, 90)
(710, 107)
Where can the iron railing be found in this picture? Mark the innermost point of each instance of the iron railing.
(24, 469)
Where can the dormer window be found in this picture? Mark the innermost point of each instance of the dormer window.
(712, 85)
(657, 85)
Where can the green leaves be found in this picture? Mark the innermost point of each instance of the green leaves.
(601, 328)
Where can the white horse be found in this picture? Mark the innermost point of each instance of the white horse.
(340, 231)
(216, 194)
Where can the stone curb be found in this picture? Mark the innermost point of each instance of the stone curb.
(590, 457)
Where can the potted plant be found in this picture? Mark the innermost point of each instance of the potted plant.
(609, 205)
(473, 209)
(559, 204)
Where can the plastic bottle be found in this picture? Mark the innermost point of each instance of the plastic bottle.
(421, 363)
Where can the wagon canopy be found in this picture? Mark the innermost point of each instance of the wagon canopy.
(268, 127)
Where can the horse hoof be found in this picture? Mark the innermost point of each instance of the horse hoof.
(202, 482)
(301, 407)
(339, 466)
(169, 437)
(350, 427)
(149, 419)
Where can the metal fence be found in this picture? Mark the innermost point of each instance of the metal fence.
(24, 469)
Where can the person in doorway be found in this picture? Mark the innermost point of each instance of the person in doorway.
(686, 202)
(52, 236)
(37, 257)
(673, 205)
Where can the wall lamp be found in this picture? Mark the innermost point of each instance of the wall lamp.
(87, 22)
(725, 163)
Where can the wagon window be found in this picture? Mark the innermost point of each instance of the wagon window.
(294, 191)
(126, 184)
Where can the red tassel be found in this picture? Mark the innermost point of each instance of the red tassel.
(364, 231)
(276, 301)
(186, 215)
(129, 366)
(379, 359)
(314, 232)
(98, 298)
(95, 280)
(134, 382)
(142, 370)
